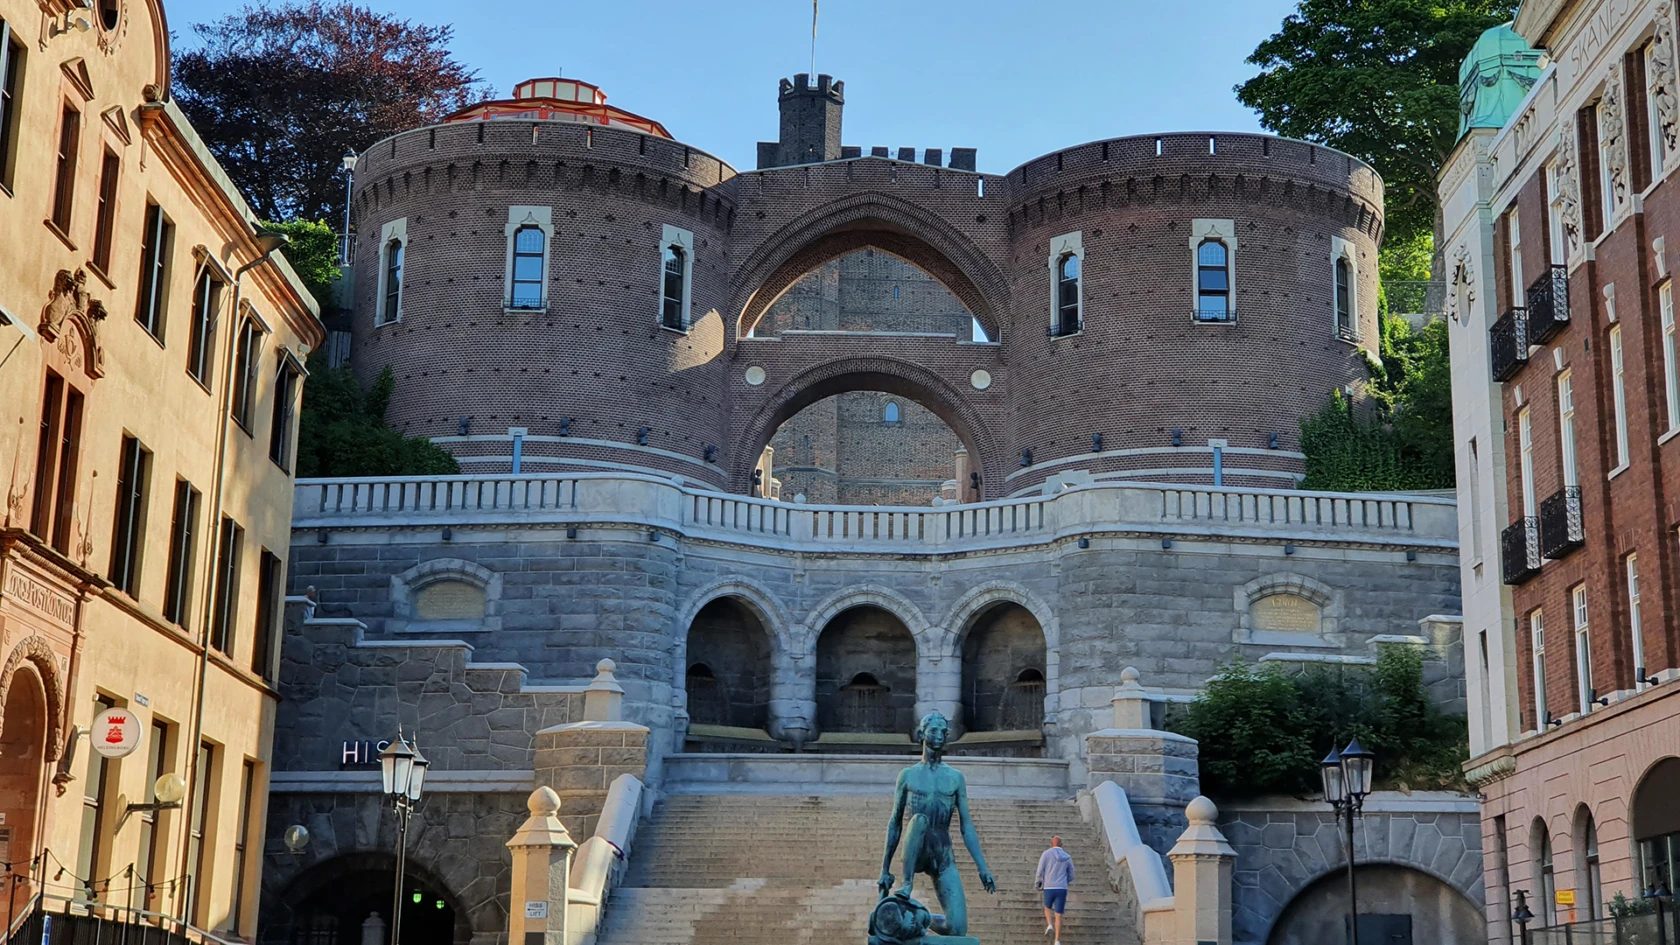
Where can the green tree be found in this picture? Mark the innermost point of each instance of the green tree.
(313, 254)
(343, 430)
(1379, 80)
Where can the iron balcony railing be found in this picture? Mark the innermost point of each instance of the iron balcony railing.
(1215, 314)
(1520, 550)
(1508, 340)
(1548, 304)
(1560, 523)
(1347, 331)
(1653, 922)
(1064, 327)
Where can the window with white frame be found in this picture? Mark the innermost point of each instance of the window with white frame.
(1475, 502)
(1344, 265)
(1606, 164)
(676, 272)
(393, 244)
(1213, 257)
(1618, 392)
(1566, 428)
(1671, 354)
(1537, 640)
(1525, 443)
(1513, 229)
(1067, 254)
(529, 233)
(1654, 92)
(1557, 250)
(1583, 649)
(1635, 626)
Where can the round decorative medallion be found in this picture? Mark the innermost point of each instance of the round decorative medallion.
(755, 375)
(111, 16)
(981, 379)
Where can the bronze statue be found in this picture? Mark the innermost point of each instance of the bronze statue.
(933, 791)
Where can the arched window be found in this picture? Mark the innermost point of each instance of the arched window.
(1213, 282)
(1346, 296)
(864, 705)
(391, 306)
(890, 414)
(1543, 869)
(675, 287)
(1592, 884)
(529, 245)
(1067, 294)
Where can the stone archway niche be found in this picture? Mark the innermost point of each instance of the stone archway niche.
(1391, 898)
(866, 678)
(23, 744)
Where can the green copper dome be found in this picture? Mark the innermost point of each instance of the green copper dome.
(1495, 78)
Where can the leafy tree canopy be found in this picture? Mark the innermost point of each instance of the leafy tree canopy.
(343, 431)
(313, 253)
(280, 91)
(1379, 80)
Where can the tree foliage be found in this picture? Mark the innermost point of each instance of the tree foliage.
(1379, 80)
(343, 430)
(1262, 730)
(279, 92)
(313, 254)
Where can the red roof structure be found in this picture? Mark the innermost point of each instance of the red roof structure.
(556, 99)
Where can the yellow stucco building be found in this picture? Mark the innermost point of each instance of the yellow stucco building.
(151, 365)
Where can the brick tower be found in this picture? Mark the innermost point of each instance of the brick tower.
(810, 123)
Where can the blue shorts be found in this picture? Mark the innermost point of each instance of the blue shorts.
(1055, 900)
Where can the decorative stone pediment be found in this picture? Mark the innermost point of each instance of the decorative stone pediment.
(71, 319)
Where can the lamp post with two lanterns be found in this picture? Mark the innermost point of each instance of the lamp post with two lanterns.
(1347, 782)
(349, 164)
(402, 772)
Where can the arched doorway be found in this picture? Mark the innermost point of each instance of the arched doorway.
(332, 903)
(866, 447)
(727, 675)
(866, 676)
(1003, 672)
(23, 745)
(1397, 906)
(1656, 826)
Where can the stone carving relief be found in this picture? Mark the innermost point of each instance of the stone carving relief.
(69, 303)
(1662, 79)
(1462, 285)
(1613, 140)
(1569, 187)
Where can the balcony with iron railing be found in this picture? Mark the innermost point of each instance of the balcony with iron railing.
(1508, 342)
(1520, 550)
(1215, 315)
(1561, 530)
(1548, 304)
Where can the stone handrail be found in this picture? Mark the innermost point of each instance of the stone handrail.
(1142, 864)
(662, 504)
(600, 859)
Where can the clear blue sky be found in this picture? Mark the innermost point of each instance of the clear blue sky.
(1014, 79)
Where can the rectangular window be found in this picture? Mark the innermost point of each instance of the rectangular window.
(129, 539)
(105, 221)
(285, 407)
(200, 843)
(269, 607)
(69, 148)
(1566, 428)
(1583, 649)
(1652, 93)
(1636, 628)
(151, 869)
(11, 89)
(1485, 689)
(1671, 354)
(96, 806)
(1513, 229)
(207, 299)
(247, 803)
(1475, 501)
(60, 447)
(230, 545)
(246, 354)
(157, 243)
(1618, 391)
(183, 540)
(1525, 442)
(1537, 638)
(1557, 249)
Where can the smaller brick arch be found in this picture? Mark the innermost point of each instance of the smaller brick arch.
(803, 639)
(39, 653)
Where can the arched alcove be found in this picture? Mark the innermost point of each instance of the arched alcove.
(1003, 671)
(23, 743)
(329, 904)
(866, 674)
(1397, 906)
(728, 671)
(1656, 826)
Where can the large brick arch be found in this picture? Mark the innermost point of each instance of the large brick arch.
(973, 425)
(864, 220)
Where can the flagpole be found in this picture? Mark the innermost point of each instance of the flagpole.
(813, 40)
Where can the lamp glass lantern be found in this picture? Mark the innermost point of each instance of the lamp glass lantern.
(349, 161)
(1330, 769)
(1356, 769)
(396, 767)
(417, 775)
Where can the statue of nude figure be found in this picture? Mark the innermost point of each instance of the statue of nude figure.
(933, 790)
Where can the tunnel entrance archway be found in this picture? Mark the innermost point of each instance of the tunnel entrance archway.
(727, 676)
(866, 674)
(330, 903)
(1004, 669)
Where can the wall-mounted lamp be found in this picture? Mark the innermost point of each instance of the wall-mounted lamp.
(1178, 437)
(653, 535)
(1289, 549)
(1596, 699)
(1026, 458)
(565, 426)
(1271, 441)
(1096, 442)
(974, 481)
(711, 454)
(1411, 554)
(321, 537)
(1641, 679)
(641, 436)
(1166, 544)
(168, 789)
(463, 426)
(447, 534)
(296, 838)
(571, 532)
(1084, 543)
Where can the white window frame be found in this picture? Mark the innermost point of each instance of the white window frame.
(1671, 354)
(1519, 288)
(1566, 428)
(1068, 244)
(518, 219)
(1636, 625)
(1537, 642)
(1653, 120)
(1618, 391)
(1583, 648)
(396, 230)
(1224, 231)
(1558, 251)
(1525, 444)
(683, 240)
(1340, 248)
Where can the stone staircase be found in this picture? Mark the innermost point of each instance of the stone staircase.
(722, 869)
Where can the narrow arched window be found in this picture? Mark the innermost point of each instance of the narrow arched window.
(529, 245)
(1213, 282)
(1067, 294)
(1345, 324)
(675, 287)
(391, 306)
(890, 414)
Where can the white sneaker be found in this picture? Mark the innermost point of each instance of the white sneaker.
(1048, 929)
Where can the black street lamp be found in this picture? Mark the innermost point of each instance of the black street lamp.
(402, 772)
(348, 162)
(1522, 915)
(1347, 782)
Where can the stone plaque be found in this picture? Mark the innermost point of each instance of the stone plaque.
(449, 600)
(1289, 612)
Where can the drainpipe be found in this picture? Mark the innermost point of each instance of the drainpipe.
(268, 242)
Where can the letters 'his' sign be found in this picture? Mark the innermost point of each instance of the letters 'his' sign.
(116, 733)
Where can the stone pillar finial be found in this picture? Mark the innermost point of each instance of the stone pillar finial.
(1131, 702)
(1202, 861)
(603, 699)
(542, 860)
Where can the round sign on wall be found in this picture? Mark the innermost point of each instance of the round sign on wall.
(116, 733)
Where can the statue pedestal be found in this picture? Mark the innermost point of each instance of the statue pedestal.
(950, 940)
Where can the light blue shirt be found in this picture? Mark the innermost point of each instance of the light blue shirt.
(1055, 869)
